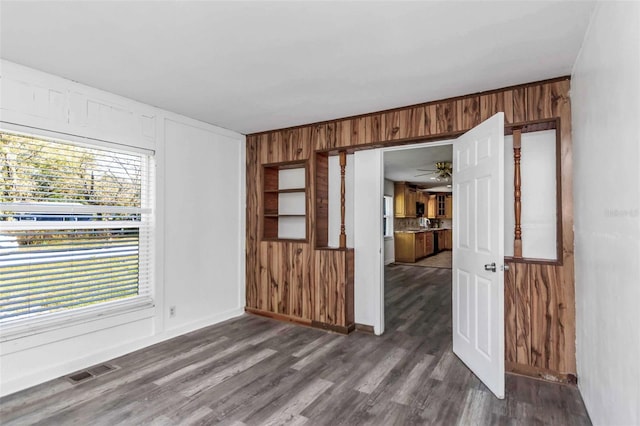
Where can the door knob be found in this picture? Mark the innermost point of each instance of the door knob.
(490, 267)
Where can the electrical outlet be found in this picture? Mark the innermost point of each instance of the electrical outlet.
(172, 311)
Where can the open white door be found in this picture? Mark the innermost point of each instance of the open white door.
(478, 251)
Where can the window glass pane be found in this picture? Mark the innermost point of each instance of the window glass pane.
(74, 226)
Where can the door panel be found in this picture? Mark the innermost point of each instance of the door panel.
(478, 214)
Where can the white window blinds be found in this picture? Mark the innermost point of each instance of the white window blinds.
(76, 226)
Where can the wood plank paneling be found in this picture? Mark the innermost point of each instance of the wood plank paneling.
(445, 117)
(523, 313)
(322, 199)
(298, 280)
(319, 137)
(300, 144)
(497, 102)
(392, 126)
(333, 273)
(374, 127)
(343, 133)
(510, 324)
(547, 100)
(253, 189)
(264, 286)
(358, 131)
(467, 113)
(519, 97)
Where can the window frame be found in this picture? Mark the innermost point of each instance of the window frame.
(111, 312)
(388, 216)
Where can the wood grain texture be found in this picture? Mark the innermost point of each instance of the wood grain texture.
(254, 189)
(321, 184)
(523, 313)
(497, 102)
(510, 322)
(519, 97)
(541, 306)
(468, 113)
(547, 100)
(334, 286)
(446, 117)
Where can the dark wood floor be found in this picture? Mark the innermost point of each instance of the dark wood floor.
(253, 370)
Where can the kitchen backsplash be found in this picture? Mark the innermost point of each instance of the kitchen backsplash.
(402, 224)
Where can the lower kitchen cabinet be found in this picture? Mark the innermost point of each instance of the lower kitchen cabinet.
(411, 246)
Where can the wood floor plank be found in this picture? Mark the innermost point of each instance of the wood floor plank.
(404, 394)
(380, 371)
(220, 376)
(253, 371)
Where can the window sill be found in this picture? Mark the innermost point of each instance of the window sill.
(63, 325)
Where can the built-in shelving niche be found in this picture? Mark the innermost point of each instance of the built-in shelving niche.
(285, 201)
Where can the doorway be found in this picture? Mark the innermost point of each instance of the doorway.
(418, 182)
(478, 247)
(416, 248)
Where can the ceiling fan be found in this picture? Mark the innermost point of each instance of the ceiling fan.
(442, 172)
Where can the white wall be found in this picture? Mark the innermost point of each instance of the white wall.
(605, 99)
(199, 222)
(368, 292)
(389, 247)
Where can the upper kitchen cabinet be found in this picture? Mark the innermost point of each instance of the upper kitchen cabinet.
(405, 200)
(444, 206)
(431, 206)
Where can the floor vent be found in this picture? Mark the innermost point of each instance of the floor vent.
(101, 369)
(91, 373)
(80, 377)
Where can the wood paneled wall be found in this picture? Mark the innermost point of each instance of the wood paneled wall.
(539, 297)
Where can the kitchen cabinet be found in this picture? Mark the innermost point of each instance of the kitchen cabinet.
(443, 206)
(430, 207)
(412, 246)
(405, 197)
(428, 243)
(418, 243)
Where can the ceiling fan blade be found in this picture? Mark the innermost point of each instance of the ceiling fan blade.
(427, 170)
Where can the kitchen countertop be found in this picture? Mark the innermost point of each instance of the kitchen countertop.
(415, 231)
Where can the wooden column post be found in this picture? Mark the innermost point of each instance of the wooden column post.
(343, 164)
(517, 193)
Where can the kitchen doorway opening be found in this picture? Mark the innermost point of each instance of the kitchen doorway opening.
(417, 239)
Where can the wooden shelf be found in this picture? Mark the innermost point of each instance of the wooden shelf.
(278, 180)
(285, 191)
(284, 240)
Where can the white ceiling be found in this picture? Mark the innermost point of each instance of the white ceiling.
(402, 165)
(253, 66)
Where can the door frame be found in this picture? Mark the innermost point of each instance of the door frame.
(432, 144)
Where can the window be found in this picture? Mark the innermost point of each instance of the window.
(387, 216)
(76, 226)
